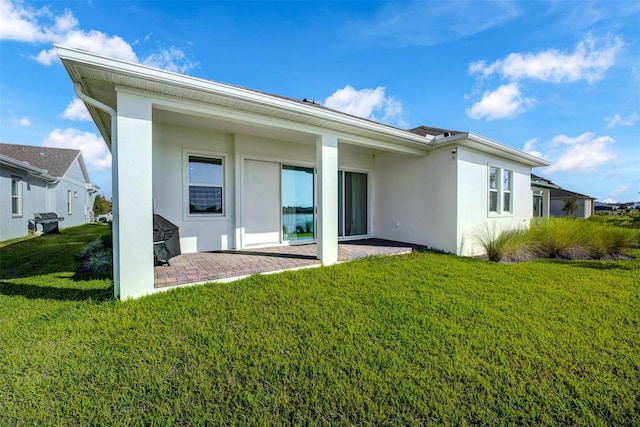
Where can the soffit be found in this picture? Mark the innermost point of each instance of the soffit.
(102, 84)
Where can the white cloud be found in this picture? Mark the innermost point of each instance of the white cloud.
(94, 151)
(504, 102)
(171, 59)
(21, 23)
(420, 23)
(530, 147)
(589, 61)
(24, 122)
(367, 103)
(76, 110)
(609, 200)
(617, 120)
(619, 190)
(584, 153)
(18, 23)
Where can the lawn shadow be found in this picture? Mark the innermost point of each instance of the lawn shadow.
(55, 293)
(596, 265)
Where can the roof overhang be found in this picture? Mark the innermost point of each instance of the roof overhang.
(102, 77)
(31, 170)
(489, 146)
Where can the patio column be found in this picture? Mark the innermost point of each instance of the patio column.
(327, 188)
(546, 203)
(132, 197)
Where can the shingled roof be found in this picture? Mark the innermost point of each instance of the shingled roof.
(56, 161)
(426, 130)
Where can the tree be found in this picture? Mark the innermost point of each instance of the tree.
(101, 205)
(570, 206)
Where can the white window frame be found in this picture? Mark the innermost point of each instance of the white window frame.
(500, 191)
(509, 190)
(494, 191)
(17, 197)
(69, 202)
(187, 155)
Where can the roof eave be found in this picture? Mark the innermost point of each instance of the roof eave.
(489, 144)
(72, 57)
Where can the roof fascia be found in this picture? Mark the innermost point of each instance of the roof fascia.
(488, 145)
(72, 57)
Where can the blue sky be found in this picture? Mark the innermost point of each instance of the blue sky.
(559, 79)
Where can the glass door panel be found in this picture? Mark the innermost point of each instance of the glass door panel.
(298, 216)
(355, 204)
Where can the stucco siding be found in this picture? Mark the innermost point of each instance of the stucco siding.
(172, 144)
(415, 199)
(473, 198)
(34, 196)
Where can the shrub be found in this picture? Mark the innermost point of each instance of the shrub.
(97, 256)
(557, 237)
(511, 244)
(99, 262)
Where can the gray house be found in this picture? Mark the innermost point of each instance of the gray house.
(42, 179)
(584, 203)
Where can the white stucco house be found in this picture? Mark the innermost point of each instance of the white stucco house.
(42, 179)
(235, 168)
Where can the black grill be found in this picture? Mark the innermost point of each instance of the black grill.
(48, 221)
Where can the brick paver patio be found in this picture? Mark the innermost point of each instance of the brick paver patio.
(210, 266)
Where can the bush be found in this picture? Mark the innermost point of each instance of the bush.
(510, 244)
(567, 238)
(97, 256)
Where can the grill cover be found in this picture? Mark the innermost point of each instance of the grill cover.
(48, 221)
(166, 239)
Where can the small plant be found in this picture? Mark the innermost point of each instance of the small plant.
(570, 206)
(99, 262)
(97, 256)
(504, 245)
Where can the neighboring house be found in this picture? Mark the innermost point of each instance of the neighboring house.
(586, 206)
(542, 188)
(42, 179)
(235, 168)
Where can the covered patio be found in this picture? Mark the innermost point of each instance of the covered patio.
(233, 264)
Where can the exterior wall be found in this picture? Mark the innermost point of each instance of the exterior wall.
(585, 208)
(171, 143)
(81, 205)
(473, 198)
(169, 146)
(34, 199)
(415, 199)
(40, 196)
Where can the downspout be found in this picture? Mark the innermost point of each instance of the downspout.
(114, 181)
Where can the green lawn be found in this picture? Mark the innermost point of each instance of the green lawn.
(416, 339)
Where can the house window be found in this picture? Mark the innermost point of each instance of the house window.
(493, 188)
(507, 177)
(205, 185)
(69, 202)
(500, 190)
(16, 196)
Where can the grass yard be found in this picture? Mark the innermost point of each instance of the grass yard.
(414, 339)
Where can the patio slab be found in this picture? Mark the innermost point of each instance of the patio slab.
(211, 266)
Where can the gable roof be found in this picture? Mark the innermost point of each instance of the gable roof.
(561, 193)
(55, 161)
(538, 181)
(98, 79)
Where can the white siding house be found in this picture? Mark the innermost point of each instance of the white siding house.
(42, 179)
(235, 168)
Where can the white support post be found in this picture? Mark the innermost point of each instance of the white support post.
(133, 195)
(546, 203)
(327, 188)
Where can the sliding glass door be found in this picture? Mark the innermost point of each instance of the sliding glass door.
(352, 204)
(298, 218)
